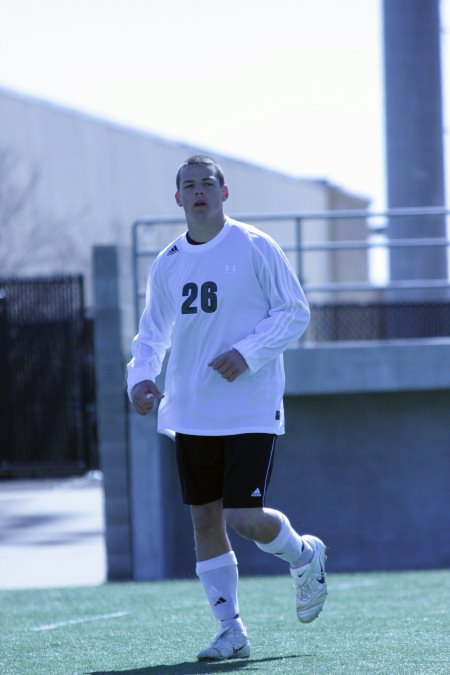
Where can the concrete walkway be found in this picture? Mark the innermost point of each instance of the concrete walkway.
(52, 532)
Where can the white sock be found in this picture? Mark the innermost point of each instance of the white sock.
(288, 545)
(219, 577)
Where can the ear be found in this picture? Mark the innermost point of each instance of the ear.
(225, 193)
(178, 199)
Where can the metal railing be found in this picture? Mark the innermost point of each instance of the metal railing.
(376, 223)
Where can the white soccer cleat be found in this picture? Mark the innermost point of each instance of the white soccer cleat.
(226, 644)
(310, 582)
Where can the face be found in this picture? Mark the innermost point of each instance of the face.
(200, 193)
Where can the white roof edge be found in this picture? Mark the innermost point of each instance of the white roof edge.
(65, 108)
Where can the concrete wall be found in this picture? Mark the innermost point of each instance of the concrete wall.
(370, 474)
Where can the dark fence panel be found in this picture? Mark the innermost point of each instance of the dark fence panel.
(378, 321)
(46, 412)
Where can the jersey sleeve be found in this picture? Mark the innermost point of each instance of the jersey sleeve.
(153, 338)
(288, 315)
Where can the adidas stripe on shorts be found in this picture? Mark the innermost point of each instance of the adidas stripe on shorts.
(235, 468)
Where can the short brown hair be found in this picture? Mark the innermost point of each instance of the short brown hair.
(201, 159)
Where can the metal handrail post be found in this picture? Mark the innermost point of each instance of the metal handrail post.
(134, 268)
(298, 243)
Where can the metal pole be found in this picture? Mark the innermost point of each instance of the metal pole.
(298, 244)
(134, 267)
(414, 134)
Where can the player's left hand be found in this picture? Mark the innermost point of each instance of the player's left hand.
(230, 364)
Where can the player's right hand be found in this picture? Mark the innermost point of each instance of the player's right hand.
(144, 394)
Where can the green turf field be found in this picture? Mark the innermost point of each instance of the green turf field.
(392, 623)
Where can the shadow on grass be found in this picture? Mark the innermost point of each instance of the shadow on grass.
(199, 667)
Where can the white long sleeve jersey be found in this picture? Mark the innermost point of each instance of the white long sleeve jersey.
(235, 291)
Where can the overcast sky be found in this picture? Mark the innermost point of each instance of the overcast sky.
(294, 85)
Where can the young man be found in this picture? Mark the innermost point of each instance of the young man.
(224, 296)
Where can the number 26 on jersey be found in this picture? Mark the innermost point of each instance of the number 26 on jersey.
(203, 298)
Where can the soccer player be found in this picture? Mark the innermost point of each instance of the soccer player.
(226, 300)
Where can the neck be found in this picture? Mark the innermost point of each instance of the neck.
(205, 231)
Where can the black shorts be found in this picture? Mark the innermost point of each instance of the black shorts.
(235, 468)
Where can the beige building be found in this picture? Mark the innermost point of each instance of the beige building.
(70, 181)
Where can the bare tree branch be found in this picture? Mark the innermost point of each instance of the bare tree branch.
(26, 233)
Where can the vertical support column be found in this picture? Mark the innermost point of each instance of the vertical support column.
(414, 135)
(147, 498)
(111, 410)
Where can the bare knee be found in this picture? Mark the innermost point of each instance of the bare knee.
(258, 524)
(245, 522)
